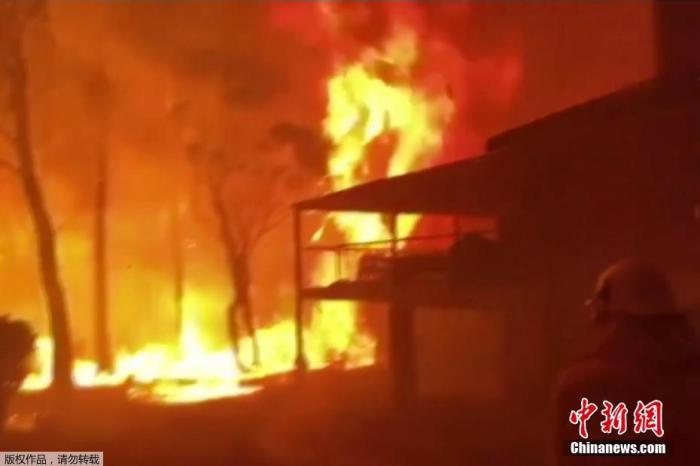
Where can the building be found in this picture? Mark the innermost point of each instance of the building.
(566, 195)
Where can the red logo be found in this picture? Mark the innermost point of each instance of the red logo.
(649, 417)
(646, 417)
(614, 418)
(581, 416)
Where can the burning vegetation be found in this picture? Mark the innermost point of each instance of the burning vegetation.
(363, 216)
(169, 272)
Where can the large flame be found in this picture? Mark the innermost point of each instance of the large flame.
(373, 98)
(365, 106)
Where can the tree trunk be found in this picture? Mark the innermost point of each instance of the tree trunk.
(45, 236)
(237, 260)
(178, 274)
(242, 280)
(102, 338)
(229, 243)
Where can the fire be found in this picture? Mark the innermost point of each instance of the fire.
(364, 106)
(192, 370)
(197, 368)
(375, 98)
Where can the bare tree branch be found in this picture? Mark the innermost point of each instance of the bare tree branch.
(274, 217)
(229, 228)
(264, 230)
(237, 225)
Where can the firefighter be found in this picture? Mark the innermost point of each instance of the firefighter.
(648, 353)
(16, 348)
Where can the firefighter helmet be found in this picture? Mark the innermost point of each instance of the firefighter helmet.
(633, 286)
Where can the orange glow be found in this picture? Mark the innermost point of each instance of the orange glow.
(364, 106)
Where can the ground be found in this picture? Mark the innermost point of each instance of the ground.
(331, 418)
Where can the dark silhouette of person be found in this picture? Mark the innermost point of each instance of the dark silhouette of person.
(16, 348)
(649, 353)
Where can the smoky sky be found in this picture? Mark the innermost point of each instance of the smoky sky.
(569, 51)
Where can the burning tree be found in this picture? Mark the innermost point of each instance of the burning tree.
(15, 18)
(98, 91)
(250, 192)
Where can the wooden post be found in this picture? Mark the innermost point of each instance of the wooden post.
(393, 218)
(301, 363)
(339, 264)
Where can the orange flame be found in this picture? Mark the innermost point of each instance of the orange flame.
(363, 107)
(367, 100)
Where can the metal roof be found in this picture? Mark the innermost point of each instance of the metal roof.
(482, 185)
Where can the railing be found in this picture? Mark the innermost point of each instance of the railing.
(385, 247)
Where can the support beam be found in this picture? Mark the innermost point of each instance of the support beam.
(301, 362)
(393, 219)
